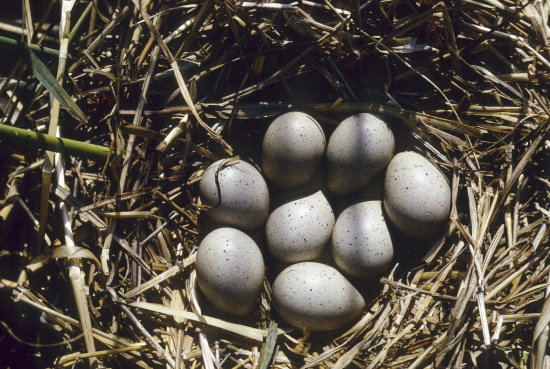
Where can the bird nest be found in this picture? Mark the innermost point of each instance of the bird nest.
(98, 242)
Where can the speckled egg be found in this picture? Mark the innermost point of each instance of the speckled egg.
(361, 242)
(292, 150)
(358, 150)
(237, 193)
(300, 230)
(316, 296)
(417, 196)
(230, 270)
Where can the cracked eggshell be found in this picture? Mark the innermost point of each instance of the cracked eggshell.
(230, 270)
(417, 196)
(316, 296)
(361, 242)
(243, 200)
(292, 150)
(358, 150)
(300, 230)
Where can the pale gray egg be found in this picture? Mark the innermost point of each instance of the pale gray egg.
(316, 296)
(358, 150)
(237, 193)
(300, 230)
(292, 149)
(417, 196)
(361, 241)
(230, 270)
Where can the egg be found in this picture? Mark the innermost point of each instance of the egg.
(230, 270)
(292, 150)
(316, 296)
(361, 241)
(299, 230)
(358, 150)
(417, 196)
(237, 193)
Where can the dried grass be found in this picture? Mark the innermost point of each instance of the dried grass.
(170, 86)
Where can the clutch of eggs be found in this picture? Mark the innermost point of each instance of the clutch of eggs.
(309, 294)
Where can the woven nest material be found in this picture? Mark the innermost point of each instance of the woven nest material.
(154, 91)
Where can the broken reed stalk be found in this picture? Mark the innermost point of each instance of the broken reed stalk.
(51, 161)
(55, 107)
(76, 275)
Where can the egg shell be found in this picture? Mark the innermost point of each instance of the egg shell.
(230, 270)
(417, 196)
(300, 229)
(358, 150)
(361, 241)
(243, 200)
(292, 149)
(316, 296)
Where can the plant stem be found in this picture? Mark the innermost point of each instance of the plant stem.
(23, 137)
(40, 50)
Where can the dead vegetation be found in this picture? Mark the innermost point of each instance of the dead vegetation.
(169, 86)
